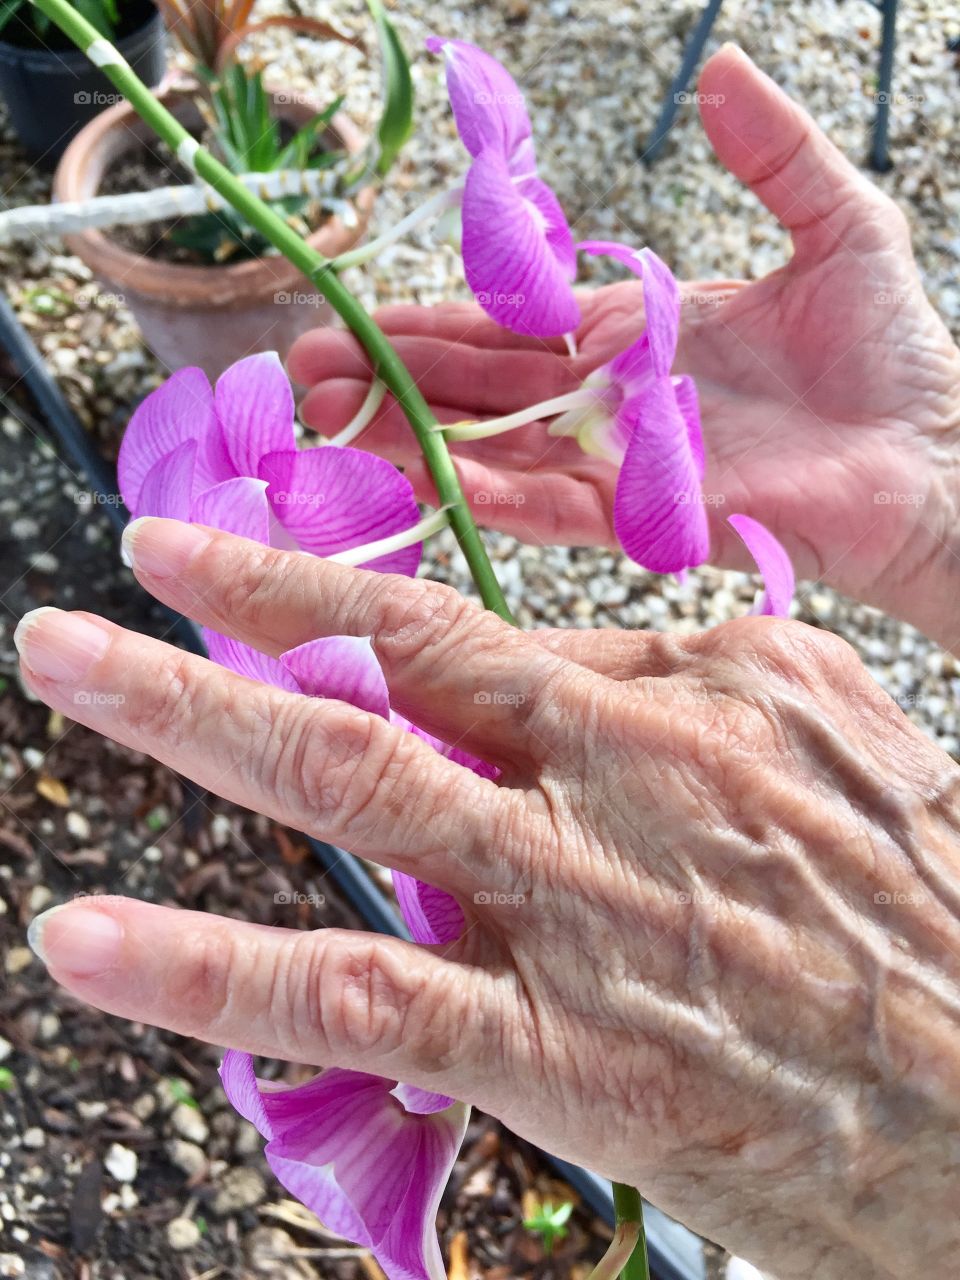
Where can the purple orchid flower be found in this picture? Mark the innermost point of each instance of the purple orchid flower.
(346, 668)
(369, 1156)
(773, 563)
(228, 457)
(648, 422)
(518, 253)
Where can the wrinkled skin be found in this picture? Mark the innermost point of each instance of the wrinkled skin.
(825, 386)
(715, 948)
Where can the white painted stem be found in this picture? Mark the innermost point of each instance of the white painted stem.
(582, 398)
(130, 209)
(429, 209)
(424, 528)
(365, 415)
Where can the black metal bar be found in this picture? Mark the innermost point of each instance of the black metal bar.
(675, 1253)
(879, 153)
(681, 81)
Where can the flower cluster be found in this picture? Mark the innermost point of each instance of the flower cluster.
(371, 1156)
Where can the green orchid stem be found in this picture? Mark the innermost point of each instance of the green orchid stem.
(628, 1208)
(387, 365)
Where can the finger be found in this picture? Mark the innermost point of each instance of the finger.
(328, 997)
(451, 667)
(541, 508)
(463, 322)
(317, 764)
(479, 382)
(773, 145)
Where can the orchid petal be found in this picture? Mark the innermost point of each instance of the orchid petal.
(371, 1170)
(487, 103)
(655, 351)
(516, 250)
(255, 407)
(167, 487)
(420, 1101)
(249, 662)
(342, 667)
(179, 410)
(658, 511)
(236, 506)
(774, 565)
(331, 499)
(432, 916)
(688, 402)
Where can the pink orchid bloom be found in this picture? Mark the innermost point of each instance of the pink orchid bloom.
(229, 456)
(773, 563)
(346, 668)
(518, 252)
(369, 1156)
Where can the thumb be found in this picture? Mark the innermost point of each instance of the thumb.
(770, 143)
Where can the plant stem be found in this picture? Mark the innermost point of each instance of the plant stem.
(628, 1208)
(582, 398)
(433, 207)
(387, 365)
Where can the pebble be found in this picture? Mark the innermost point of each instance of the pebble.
(33, 1139)
(187, 1156)
(18, 958)
(6, 1048)
(121, 1163)
(39, 897)
(77, 825)
(241, 1189)
(182, 1233)
(189, 1123)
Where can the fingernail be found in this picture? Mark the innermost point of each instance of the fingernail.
(58, 645)
(161, 548)
(77, 940)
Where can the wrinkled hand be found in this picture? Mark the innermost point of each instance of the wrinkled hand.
(826, 387)
(713, 906)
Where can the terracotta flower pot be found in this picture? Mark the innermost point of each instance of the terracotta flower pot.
(204, 315)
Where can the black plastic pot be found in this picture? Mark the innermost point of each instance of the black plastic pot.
(52, 90)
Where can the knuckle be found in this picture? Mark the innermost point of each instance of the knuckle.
(327, 765)
(162, 710)
(782, 644)
(416, 617)
(259, 578)
(200, 985)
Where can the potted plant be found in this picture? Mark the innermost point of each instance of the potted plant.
(201, 285)
(49, 89)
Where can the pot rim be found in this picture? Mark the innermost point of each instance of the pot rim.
(180, 284)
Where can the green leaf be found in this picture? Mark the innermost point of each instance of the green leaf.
(7, 1080)
(396, 123)
(297, 153)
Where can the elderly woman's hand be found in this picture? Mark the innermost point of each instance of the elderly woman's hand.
(830, 389)
(713, 904)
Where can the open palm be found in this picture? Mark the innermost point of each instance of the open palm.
(830, 389)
